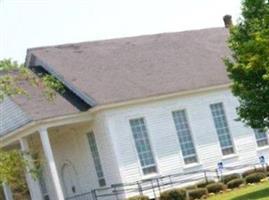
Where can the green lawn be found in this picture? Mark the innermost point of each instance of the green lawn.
(253, 192)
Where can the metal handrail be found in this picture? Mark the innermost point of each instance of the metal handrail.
(156, 185)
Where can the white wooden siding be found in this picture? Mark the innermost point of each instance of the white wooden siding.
(11, 116)
(70, 144)
(163, 138)
(117, 150)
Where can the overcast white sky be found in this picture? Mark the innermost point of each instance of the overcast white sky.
(32, 23)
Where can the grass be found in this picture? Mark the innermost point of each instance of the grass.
(253, 192)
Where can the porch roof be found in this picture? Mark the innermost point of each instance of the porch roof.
(18, 111)
(11, 116)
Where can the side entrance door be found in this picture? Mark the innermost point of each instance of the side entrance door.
(70, 179)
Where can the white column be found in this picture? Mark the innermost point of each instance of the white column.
(51, 162)
(7, 192)
(33, 185)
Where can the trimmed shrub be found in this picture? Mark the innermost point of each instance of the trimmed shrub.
(174, 194)
(138, 198)
(215, 187)
(235, 183)
(255, 178)
(252, 171)
(197, 193)
(248, 172)
(262, 169)
(228, 178)
(203, 184)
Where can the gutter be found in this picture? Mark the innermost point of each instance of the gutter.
(159, 97)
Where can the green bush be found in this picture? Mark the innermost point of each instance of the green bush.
(215, 187)
(235, 183)
(174, 194)
(228, 178)
(252, 171)
(262, 169)
(197, 193)
(203, 184)
(138, 198)
(255, 178)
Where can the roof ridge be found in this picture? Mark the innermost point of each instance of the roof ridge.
(120, 38)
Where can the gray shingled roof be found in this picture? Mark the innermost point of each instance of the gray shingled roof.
(18, 111)
(119, 70)
(38, 107)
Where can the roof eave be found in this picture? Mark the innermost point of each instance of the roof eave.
(32, 60)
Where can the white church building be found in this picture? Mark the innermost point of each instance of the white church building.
(133, 109)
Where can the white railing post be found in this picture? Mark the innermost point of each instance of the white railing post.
(51, 162)
(33, 185)
(7, 192)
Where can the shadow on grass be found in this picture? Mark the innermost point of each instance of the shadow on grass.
(261, 194)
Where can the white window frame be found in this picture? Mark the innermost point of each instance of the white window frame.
(217, 129)
(101, 179)
(259, 140)
(150, 146)
(191, 137)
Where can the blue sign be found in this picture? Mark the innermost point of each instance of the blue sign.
(220, 166)
(262, 160)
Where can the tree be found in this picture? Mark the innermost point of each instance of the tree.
(12, 162)
(248, 67)
(13, 74)
(12, 171)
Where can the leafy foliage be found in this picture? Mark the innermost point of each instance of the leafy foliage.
(235, 183)
(255, 178)
(51, 85)
(215, 187)
(175, 194)
(12, 171)
(12, 163)
(12, 75)
(228, 178)
(249, 66)
(197, 193)
(203, 184)
(252, 171)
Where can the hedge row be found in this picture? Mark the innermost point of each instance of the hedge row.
(215, 187)
(202, 189)
(203, 184)
(175, 194)
(251, 171)
(197, 193)
(255, 178)
(228, 178)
